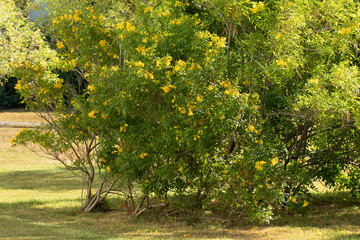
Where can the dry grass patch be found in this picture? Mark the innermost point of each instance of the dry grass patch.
(19, 115)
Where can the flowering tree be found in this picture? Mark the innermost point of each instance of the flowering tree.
(302, 60)
(159, 109)
(228, 108)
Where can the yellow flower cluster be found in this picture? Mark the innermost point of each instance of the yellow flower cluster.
(198, 135)
(59, 83)
(259, 165)
(274, 161)
(141, 49)
(257, 6)
(143, 155)
(60, 45)
(149, 75)
(91, 88)
(103, 43)
(139, 64)
(232, 91)
(182, 110)
(344, 31)
(93, 113)
(106, 102)
(163, 62)
(73, 62)
(251, 128)
(281, 63)
(180, 65)
(203, 34)
(168, 88)
(43, 91)
(123, 129)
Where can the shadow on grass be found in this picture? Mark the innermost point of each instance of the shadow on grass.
(25, 219)
(331, 210)
(40, 179)
(347, 237)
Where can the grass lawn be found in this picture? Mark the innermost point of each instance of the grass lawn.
(39, 200)
(19, 115)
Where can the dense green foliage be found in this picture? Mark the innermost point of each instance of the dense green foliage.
(240, 104)
(9, 98)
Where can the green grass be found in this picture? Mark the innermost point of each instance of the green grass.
(38, 200)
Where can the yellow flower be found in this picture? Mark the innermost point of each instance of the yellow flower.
(106, 102)
(182, 110)
(259, 164)
(305, 203)
(292, 199)
(344, 31)
(73, 62)
(274, 161)
(257, 7)
(180, 169)
(120, 26)
(59, 83)
(122, 129)
(141, 49)
(199, 98)
(76, 17)
(91, 88)
(146, 181)
(92, 113)
(190, 112)
(179, 65)
(251, 128)
(254, 9)
(139, 64)
(108, 169)
(143, 155)
(149, 75)
(166, 89)
(36, 68)
(148, 9)
(129, 27)
(103, 43)
(281, 63)
(60, 45)
(104, 116)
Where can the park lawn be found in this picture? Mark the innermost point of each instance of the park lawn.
(39, 200)
(19, 115)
